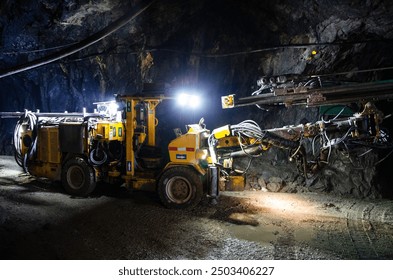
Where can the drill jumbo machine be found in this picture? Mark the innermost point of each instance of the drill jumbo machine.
(116, 146)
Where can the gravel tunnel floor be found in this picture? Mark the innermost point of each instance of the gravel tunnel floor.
(39, 221)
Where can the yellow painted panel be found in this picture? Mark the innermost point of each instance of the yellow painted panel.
(110, 131)
(48, 144)
(184, 148)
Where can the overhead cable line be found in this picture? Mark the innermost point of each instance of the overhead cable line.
(15, 52)
(204, 54)
(191, 53)
(76, 47)
(267, 49)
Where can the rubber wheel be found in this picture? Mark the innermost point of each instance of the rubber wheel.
(180, 188)
(77, 177)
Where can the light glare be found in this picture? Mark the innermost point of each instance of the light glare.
(113, 107)
(188, 100)
(194, 101)
(182, 99)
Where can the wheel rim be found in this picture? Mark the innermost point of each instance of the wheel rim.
(178, 189)
(75, 177)
(98, 157)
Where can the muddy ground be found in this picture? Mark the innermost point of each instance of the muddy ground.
(39, 221)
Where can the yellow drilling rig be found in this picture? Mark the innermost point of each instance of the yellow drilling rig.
(117, 144)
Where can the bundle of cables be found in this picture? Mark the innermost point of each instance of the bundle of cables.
(26, 122)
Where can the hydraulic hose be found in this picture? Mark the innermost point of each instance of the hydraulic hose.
(280, 142)
(245, 152)
(28, 121)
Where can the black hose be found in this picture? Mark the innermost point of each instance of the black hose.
(249, 151)
(279, 141)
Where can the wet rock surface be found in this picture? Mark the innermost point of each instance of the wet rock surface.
(39, 221)
(346, 174)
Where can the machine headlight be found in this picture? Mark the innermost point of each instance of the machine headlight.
(189, 100)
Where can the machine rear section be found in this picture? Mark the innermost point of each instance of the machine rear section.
(78, 149)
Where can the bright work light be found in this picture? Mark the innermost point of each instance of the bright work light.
(187, 100)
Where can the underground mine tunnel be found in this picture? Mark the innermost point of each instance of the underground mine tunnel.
(196, 129)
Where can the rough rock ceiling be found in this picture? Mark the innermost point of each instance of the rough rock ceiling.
(352, 35)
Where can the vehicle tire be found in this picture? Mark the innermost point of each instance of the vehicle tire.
(98, 157)
(78, 177)
(180, 188)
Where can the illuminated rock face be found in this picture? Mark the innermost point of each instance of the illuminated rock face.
(164, 45)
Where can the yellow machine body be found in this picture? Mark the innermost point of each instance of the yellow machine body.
(189, 149)
(48, 161)
(110, 131)
(139, 129)
(183, 148)
(222, 132)
(82, 149)
(48, 170)
(48, 149)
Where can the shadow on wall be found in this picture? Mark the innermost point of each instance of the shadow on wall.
(6, 136)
